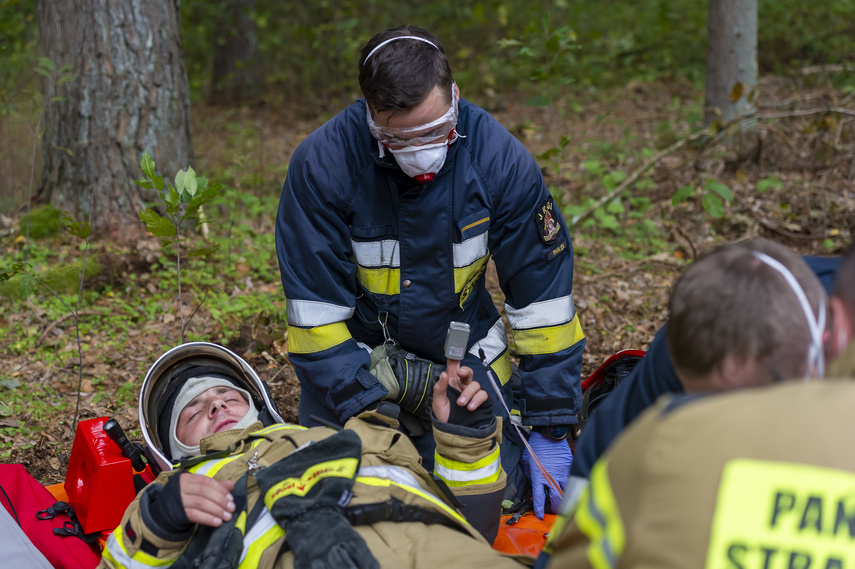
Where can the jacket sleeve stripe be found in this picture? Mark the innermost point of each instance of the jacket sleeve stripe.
(495, 346)
(598, 517)
(455, 473)
(380, 281)
(545, 313)
(318, 339)
(548, 340)
(310, 313)
(262, 535)
(118, 555)
(381, 482)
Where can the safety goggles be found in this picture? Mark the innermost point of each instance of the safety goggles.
(432, 132)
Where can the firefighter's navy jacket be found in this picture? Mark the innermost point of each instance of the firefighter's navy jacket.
(360, 243)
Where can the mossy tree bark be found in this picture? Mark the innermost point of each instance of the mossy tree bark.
(129, 96)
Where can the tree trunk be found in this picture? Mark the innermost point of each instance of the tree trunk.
(129, 96)
(731, 59)
(235, 76)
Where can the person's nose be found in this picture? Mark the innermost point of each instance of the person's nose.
(216, 405)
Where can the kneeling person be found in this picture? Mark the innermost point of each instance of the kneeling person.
(249, 490)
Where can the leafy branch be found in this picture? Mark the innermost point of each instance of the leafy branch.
(183, 202)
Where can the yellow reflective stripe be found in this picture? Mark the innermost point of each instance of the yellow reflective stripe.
(118, 554)
(502, 367)
(598, 517)
(279, 427)
(254, 547)
(464, 275)
(385, 483)
(211, 467)
(456, 473)
(548, 340)
(339, 468)
(380, 281)
(311, 340)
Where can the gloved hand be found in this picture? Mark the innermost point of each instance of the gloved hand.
(416, 378)
(556, 457)
(302, 492)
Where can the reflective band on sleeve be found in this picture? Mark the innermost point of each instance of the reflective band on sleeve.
(310, 313)
(262, 535)
(548, 340)
(279, 427)
(384, 483)
(118, 555)
(312, 340)
(573, 493)
(777, 514)
(598, 518)
(373, 254)
(546, 313)
(456, 474)
(495, 346)
(470, 250)
(380, 281)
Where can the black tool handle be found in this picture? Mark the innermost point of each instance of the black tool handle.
(117, 435)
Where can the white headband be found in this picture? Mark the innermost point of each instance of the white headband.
(816, 325)
(382, 43)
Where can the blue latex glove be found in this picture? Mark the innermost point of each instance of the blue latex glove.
(556, 457)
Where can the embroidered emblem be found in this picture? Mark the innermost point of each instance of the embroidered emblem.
(547, 226)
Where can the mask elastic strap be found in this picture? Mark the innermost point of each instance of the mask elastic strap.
(815, 325)
(382, 43)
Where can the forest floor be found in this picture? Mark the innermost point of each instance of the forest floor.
(795, 188)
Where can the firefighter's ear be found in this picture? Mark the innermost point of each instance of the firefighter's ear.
(842, 327)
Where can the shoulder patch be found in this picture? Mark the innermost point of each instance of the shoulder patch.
(547, 226)
(557, 250)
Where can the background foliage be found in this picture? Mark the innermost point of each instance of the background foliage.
(607, 85)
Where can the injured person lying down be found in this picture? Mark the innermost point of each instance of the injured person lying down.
(242, 488)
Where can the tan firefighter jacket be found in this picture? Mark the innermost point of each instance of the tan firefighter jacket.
(390, 470)
(755, 478)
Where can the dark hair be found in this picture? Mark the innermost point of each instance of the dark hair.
(401, 74)
(844, 281)
(730, 303)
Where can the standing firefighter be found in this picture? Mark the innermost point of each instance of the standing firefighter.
(250, 491)
(389, 215)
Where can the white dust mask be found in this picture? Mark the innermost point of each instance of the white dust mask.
(421, 162)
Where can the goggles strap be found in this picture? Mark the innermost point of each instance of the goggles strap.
(816, 324)
(381, 44)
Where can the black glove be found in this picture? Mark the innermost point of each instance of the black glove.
(302, 492)
(416, 378)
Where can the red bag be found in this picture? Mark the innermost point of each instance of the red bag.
(23, 497)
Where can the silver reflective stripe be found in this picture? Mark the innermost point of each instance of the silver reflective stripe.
(311, 313)
(377, 253)
(572, 493)
(467, 475)
(396, 474)
(545, 313)
(121, 556)
(493, 344)
(470, 250)
(263, 524)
